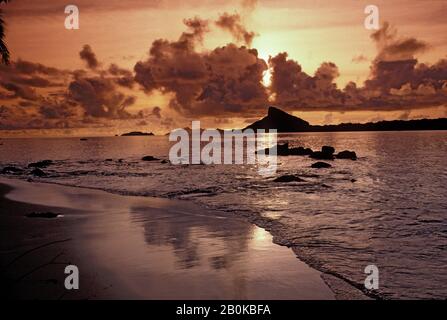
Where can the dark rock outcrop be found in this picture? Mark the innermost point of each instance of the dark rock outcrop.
(284, 150)
(346, 155)
(281, 121)
(40, 164)
(288, 178)
(11, 170)
(328, 149)
(47, 215)
(38, 173)
(321, 165)
(137, 133)
(300, 151)
(326, 153)
(284, 122)
(149, 158)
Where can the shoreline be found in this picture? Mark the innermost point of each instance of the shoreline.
(129, 247)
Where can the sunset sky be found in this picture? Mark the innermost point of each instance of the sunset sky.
(139, 65)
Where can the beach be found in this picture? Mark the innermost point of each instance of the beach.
(130, 247)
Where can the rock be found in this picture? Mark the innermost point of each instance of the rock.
(346, 155)
(319, 155)
(326, 153)
(149, 158)
(320, 165)
(136, 134)
(300, 151)
(289, 178)
(328, 150)
(283, 150)
(281, 121)
(11, 170)
(38, 173)
(47, 215)
(164, 161)
(83, 139)
(40, 164)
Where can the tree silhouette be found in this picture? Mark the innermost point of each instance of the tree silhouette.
(4, 52)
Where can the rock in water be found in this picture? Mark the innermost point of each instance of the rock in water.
(319, 155)
(320, 165)
(149, 158)
(11, 170)
(284, 150)
(328, 149)
(40, 164)
(289, 178)
(347, 155)
(47, 215)
(326, 153)
(38, 173)
(300, 151)
(137, 133)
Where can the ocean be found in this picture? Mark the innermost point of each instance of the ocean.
(388, 208)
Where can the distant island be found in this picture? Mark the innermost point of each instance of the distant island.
(284, 122)
(136, 134)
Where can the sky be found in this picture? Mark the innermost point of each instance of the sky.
(157, 65)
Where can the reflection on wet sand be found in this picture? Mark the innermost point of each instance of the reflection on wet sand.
(143, 248)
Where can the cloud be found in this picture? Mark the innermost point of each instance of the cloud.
(124, 77)
(392, 48)
(20, 91)
(397, 81)
(360, 59)
(36, 96)
(224, 80)
(156, 111)
(222, 83)
(405, 115)
(293, 88)
(89, 57)
(232, 23)
(249, 5)
(99, 98)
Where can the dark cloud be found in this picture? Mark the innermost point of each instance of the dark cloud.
(392, 48)
(89, 57)
(156, 111)
(30, 68)
(233, 24)
(293, 88)
(99, 98)
(224, 80)
(124, 77)
(20, 91)
(199, 27)
(36, 96)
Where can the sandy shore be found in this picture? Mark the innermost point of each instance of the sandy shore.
(139, 248)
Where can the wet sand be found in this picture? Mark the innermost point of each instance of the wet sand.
(139, 248)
